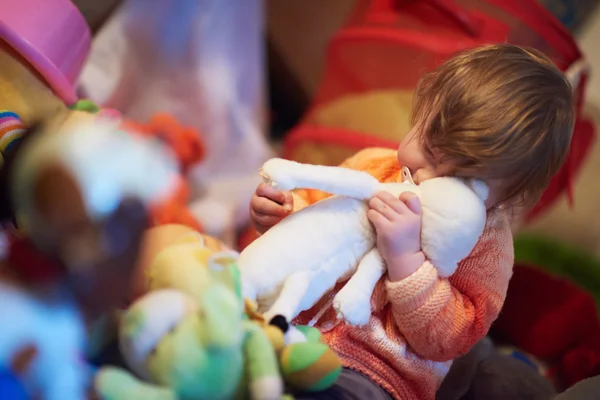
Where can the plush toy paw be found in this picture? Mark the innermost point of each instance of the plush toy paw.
(267, 388)
(116, 384)
(278, 173)
(352, 308)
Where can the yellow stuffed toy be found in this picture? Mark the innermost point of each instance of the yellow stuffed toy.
(306, 361)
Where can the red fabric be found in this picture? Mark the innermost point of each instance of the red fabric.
(581, 362)
(389, 44)
(544, 315)
(29, 264)
(554, 320)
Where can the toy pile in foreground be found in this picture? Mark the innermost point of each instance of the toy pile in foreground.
(192, 336)
(80, 195)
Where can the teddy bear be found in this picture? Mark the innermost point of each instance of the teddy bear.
(293, 265)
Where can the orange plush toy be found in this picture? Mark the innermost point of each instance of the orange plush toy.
(189, 149)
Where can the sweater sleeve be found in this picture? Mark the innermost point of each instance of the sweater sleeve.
(442, 318)
(306, 197)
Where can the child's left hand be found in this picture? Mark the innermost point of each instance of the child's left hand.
(398, 225)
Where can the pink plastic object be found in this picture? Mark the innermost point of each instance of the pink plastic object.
(52, 36)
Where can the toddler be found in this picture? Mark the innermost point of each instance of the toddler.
(500, 113)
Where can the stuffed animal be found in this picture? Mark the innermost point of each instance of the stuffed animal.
(188, 146)
(38, 81)
(188, 336)
(306, 361)
(160, 237)
(182, 265)
(176, 257)
(82, 221)
(185, 142)
(290, 267)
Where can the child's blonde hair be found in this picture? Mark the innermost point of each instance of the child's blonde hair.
(498, 112)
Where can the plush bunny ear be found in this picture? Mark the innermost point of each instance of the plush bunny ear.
(480, 188)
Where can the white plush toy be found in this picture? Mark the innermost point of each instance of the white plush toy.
(289, 268)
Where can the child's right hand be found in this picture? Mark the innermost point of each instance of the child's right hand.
(268, 206)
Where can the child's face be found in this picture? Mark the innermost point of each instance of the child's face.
(424, 164)
(420, 160)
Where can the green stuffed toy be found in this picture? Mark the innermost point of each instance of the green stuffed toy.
(306, 361)
(193, 336)
(193, 342)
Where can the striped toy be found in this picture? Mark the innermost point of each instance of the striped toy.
(11, 132)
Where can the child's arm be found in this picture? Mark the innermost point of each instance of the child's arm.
(442, 319)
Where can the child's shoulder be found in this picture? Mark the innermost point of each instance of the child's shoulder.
(497, 233)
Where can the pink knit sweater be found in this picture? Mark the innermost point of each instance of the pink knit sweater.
(420, 324)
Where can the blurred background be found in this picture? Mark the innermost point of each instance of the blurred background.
(316, 80)
(296, 38)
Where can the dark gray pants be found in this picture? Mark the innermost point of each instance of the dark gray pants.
(351, 385)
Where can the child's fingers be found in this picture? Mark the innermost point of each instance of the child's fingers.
(412, 202)
(264, 190)
(265, 206)
(377, 219)
(265, 220)
(382, 208)
(392, 202)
